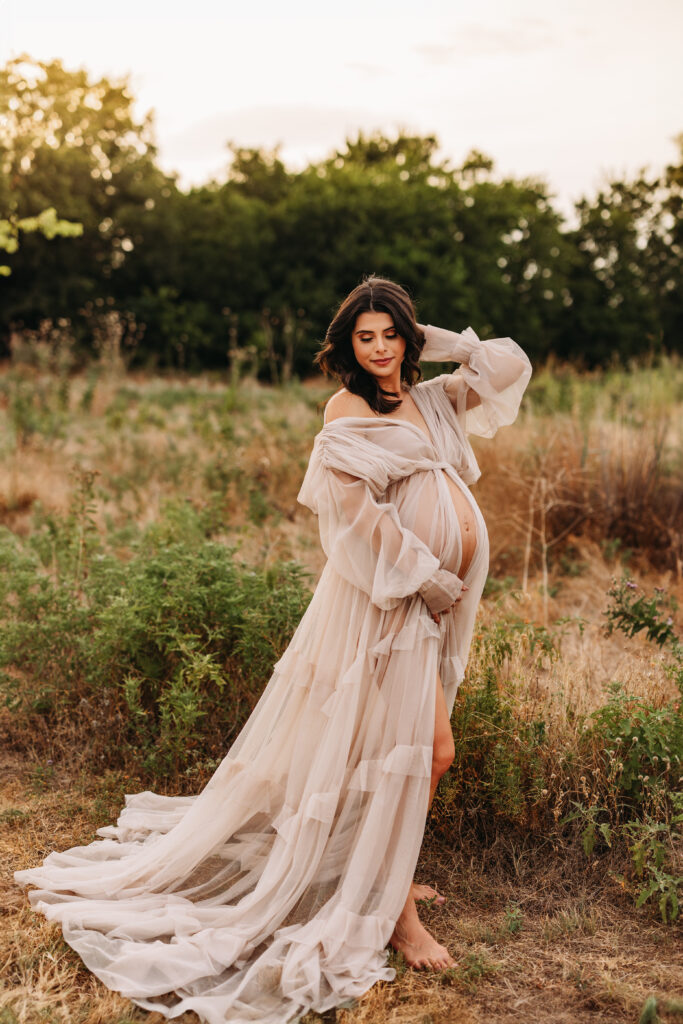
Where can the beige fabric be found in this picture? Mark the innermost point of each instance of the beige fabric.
(276, 889)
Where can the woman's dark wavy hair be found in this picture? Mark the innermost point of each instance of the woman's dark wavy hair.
(336, 357)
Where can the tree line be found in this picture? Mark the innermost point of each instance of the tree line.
(251, 266)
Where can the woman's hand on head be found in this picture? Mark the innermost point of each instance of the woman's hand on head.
(437, 615)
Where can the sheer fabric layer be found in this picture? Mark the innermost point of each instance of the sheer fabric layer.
(276, 889)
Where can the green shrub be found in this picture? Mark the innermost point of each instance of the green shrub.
(165, 654)
(636, 794)
(640, 750)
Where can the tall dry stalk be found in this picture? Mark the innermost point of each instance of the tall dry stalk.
(529, 535)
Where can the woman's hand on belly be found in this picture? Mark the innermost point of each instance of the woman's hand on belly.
(437, 615)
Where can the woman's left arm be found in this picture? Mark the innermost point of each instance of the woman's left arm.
(487, 388)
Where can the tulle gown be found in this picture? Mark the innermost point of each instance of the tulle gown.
(276, 889)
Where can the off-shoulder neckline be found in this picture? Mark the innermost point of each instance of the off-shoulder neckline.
(429, 437)
(380, 420)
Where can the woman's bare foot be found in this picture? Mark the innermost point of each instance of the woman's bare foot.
(426, 893)
(419, 948)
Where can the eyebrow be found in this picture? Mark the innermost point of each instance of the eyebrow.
(370, 330)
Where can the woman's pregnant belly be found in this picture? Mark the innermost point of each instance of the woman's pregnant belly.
(441, 514)
(467, 523)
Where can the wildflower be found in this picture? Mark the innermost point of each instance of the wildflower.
(631, 585)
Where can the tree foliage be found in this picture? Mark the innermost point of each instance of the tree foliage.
(262, 257)
(47, 222)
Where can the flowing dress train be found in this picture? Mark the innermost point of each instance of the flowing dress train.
(276, 889)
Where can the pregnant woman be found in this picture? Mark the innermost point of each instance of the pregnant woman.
(277, 889)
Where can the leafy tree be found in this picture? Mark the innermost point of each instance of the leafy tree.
(471, 249)
(626, 274)
(258, 173)
(263, 256)
(74, 144)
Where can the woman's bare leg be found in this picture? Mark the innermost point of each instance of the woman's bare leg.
(442, 758)
(410, 936)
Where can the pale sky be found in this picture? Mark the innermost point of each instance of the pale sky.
(570, 90)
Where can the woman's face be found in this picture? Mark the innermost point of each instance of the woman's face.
(377, 345)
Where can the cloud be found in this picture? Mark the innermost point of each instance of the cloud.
(305, 133)
(524, 35)
(293, 124)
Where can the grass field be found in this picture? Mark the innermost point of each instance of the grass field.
(101, 471)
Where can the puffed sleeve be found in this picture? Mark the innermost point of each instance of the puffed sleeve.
(366, 543)
(497, 370)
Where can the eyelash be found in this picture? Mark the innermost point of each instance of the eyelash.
(390, 337)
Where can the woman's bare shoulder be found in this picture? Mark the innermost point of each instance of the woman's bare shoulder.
(345, 403)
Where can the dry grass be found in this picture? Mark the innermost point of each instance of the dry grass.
(550, 482)
(591, 660)
(533, 941)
